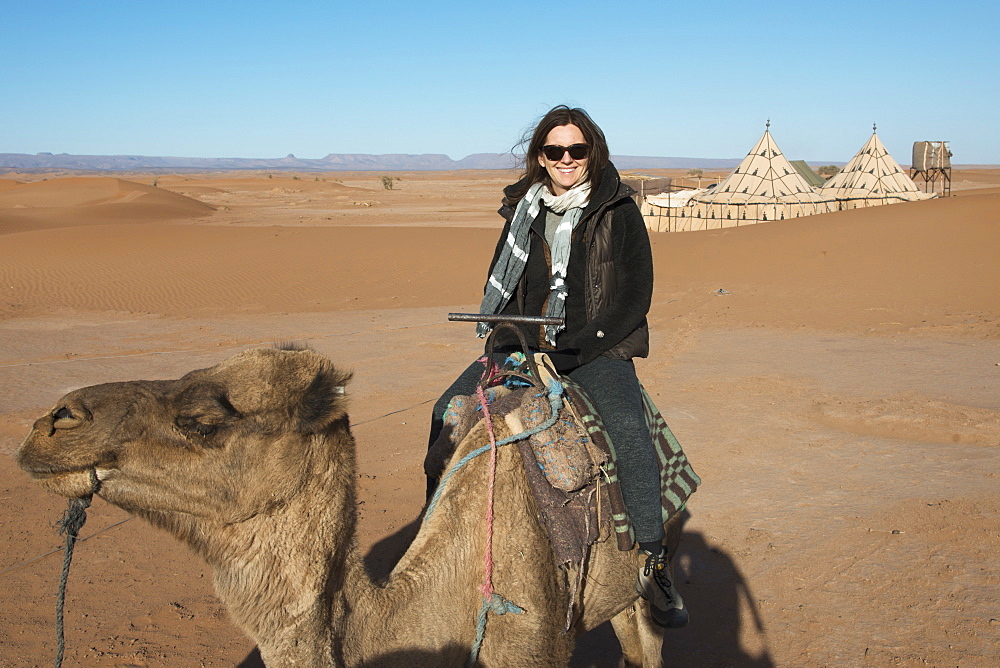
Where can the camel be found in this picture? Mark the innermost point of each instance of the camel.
(252, 464)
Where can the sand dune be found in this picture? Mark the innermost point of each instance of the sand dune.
(895, 267)
(87, 201)
(326, 184)
(906, 266)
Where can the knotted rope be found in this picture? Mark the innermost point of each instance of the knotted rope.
(487, 586)
(72, 521)
(491, 601)
(498, 605)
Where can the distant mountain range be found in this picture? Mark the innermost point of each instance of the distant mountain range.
(345, 162)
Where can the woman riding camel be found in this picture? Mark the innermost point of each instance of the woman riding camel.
(575, 246)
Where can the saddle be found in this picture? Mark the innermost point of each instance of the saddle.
(569, 460)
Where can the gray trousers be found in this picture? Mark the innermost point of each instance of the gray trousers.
(614, 389)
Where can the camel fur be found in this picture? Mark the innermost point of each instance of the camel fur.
(252, 464)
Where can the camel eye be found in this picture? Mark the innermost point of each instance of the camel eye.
(69, 416)
(206, 429)
(192, 425)
(202, 411)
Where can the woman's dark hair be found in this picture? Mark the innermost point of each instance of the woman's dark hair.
(534, 139)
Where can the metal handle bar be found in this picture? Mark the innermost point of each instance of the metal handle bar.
(513, 319)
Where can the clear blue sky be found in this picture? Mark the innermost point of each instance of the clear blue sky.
(262, 80)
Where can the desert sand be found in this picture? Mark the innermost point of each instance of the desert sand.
(835, 381)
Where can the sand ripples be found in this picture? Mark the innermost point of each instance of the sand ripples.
(179, 269)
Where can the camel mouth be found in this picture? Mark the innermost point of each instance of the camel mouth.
(40, 467)
(74, 484)
(41, 473)
(42, 459)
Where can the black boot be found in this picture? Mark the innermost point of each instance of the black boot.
(655, 584)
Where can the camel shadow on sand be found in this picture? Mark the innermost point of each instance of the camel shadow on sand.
(709, 580)
(412, 658)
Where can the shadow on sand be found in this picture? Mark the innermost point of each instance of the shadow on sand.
(709, 580)
(714, 590)
(453, 655)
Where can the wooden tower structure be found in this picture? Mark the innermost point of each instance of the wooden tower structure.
(932, 163)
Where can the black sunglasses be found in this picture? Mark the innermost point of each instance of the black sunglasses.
(554, 152)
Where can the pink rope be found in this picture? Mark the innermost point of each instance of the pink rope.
(487, 586)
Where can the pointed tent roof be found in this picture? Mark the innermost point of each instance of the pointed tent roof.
(872, 174)
(766, 177)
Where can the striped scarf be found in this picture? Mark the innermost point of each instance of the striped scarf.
(514, 256)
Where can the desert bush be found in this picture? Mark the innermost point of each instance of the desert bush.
(827, 171)
(388, 182)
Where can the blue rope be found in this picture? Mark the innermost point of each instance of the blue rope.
(555, 396)
(498, 605)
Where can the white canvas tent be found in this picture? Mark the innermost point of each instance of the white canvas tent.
(764, 187)
(661, 213)
(872, 178)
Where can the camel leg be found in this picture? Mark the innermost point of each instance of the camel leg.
(640, 638)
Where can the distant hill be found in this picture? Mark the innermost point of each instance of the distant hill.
(42, 162)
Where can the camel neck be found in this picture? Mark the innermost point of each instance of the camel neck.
(281, 573)
(426, 611)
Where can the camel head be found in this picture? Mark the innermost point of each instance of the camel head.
(221, 444)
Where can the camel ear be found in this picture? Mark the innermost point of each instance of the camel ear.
(323, 402)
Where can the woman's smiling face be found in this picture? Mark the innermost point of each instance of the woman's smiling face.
(564, 172)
